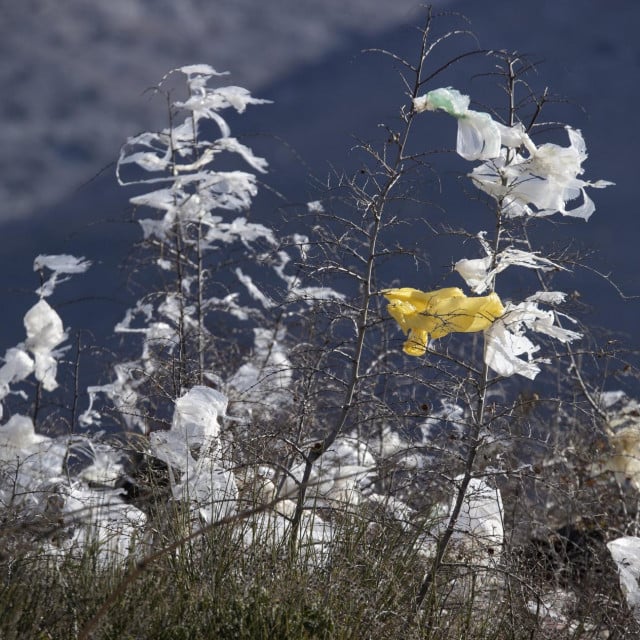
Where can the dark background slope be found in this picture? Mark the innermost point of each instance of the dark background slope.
(322, 100)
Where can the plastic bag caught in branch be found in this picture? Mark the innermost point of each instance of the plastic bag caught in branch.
(180, 149)
(44, 333)
(17, 366)
(62, 264)
(546, 180)
(625, 552)
(479, 275)
(438, 313)
(479, 136)
(505, 339)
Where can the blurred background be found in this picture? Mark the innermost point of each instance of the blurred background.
(74, 75)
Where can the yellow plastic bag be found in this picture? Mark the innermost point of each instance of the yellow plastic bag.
(438, 313)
